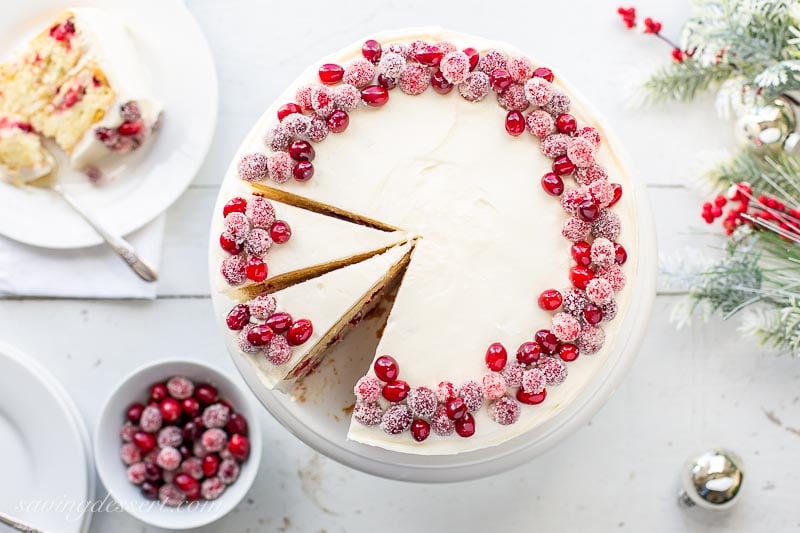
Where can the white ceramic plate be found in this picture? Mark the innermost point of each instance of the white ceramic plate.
(45, 455)
(180, 63)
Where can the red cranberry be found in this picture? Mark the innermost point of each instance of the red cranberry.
(580, 276)
(299, 332)
(496, 357)
(303, 171)
(170, 409)
(210, 465)
(135, 412)
(429, 57)
(192, 431)
(465, 426)
(149, 490)
(260, 335)
(237, 318)
(338, 121)
(279, 322)
(144, 441)
(544, 72)
(566, 123)
(581, 253)
(63, 31)
(374, 95)
(617, 193)
(386, 82)
(500, 80)
(550, 300)
(256, 269)
(229, 245)
(552, 184)
(152, 472)
(331, 73)
(547, 341)
(371, 50)
(396, 391)
(386, 368)
(158, 392)
(280, 232)
(530, 399)
(473, 56)
(568, 352)
(440, 84)
(237, 424)
(130, 128)
(620, 255)
(515, 124)
(186, 483)
(528, 353)
(301, 150)
(588, 210)
(205, 394)
(592, 314)
(239, 446)
(420, 430)
(562, 165)
(455, 408)
(191, 407)
(287, 109)
(234, 205)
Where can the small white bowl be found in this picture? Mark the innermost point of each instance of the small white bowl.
(107, 442)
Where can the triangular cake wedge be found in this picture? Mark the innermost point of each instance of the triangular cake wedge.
(334, 303)
(318, 244)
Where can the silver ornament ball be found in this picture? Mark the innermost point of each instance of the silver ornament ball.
(712, 480)
(768, 125)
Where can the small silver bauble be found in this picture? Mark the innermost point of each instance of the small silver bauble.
(768, 125)
(712, 480)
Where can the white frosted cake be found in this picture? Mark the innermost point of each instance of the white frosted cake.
(511, 198)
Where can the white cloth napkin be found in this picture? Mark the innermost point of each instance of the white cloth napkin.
(94, 272)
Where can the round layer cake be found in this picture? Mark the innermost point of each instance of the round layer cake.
(472, 177)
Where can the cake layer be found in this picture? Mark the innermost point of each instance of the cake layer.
(23, 158)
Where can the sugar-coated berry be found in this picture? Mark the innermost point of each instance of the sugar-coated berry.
(212, 488)
(573, 198)
(170, 495)
(591, 134)
(591, 340)
(396, 419)
(170, 436)
(494, 385)
(323, 100)
(253, 167)
(391, 65)
(520, 68)
(169, 458)
(559, 103)
(602, 192)
(297, 125)
(367, 389)
(555, 145)
(614, 275)
(214, 439)
(505, 411)
(359, 72)
(414, 79)
(228, 471)
(602, 252)
(540, 123)
(346, 97)
(581, 152)
(533, 381)
(422, 401)
(538, 91)
(472, 393)
(599, 291)
(575, 301)
(590, 174)
(258, 242)
(278, 352)
(216, 415)
(399, 48)
(575, 229)
(445, 390)
(513, 98)
(279, 167)
(367, 413)
(475, 86)
(455, 67)
(528, 353)
(237, 227)
(318, 130)
(441, 423)
(130, 453)
(512, 373)
(303, 96)
(565, 327)
(609, 310)
(554, 369)
(607, 225)
(260, 212)
(491, 61)
(136, 473)
(127, 431)
(233, 269)
(151, 419)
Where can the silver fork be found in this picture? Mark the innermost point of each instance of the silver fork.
(15, 524)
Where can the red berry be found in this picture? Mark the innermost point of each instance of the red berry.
(620, 254)
(134, 412)
(580, 276)
(562, 165)
(617, 193)
(371, 50)
(456, 408)
(205, 394)
(260, 335)
(588, 210)
(330, 73)
(387, 82)
(552, 184)
(186, 483)
(374, 95)
(170, 409)
(550, 300)
(256, 269)
(234, 205)
(496, 357)
(144, 441)
(301, 150)
(440, 84)
(720, 200)
(158, 392)
(210, 465)
(299, 332)
(238, 317)
(420, 430)
(500, 80)
(544, 72)
(515, 125)
(237, 424)
(566, 123)
(229, 245)
(279, 322)
(568, 352)
(239, 446)
(592, 314)
(465, 426)
(338, 121)
(473, 56)
(386, 368)
(547, 341)
(303, 171)
(130, 128)
(190, 406)
(430, 56)
(582, 253)
(280, 232)
(531, 399)
(287, 109)
(528, 353)
(396, 391)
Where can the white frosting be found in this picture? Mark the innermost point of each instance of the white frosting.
(444, 168)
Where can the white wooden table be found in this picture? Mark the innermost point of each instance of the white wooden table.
(688, 389)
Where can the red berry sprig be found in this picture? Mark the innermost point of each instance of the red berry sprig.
(652, 27)
(763, 211)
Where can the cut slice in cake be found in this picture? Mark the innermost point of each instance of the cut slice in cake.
(266, 245)
(286, 334)
(22, 156)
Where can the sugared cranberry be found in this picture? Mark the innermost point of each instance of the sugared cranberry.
(279, 322)
(287, 109)
(234, 205)
(237, 318)
(256, 269)
(562, 165)
(550, 300)
(500, 80)
(420, 430)
(260, 335)
(229, 245)
(456, 408)
(588, 210)
(531, 399)
(239, 446)
(581, 253)
(386, 368)
(237, 424)
(566, 123)
(440, 84)
(303, 171)
(552, 184)
(301, 150)
(620, 254)
(465, 426)
(190, 406)
(515, 124)
(473, 56)
(134, 412)
(396, 391)
(299, 332)
(210, 465)
(371, 50)
(592, 314)
(528, 353)
(158, 392)
(617, 193)
(170, 409)
(205, 394)
(280, 232)
(330, 73)
(144, 441)
(374, 95)
(386, 82)
(338, 121)
(568, 352)
(544, 72)
(547, 341)
(580, 276)
(496, 357)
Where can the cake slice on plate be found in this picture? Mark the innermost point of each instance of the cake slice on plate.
(287, 333)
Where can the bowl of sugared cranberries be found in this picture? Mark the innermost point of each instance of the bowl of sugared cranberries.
(178, 444)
